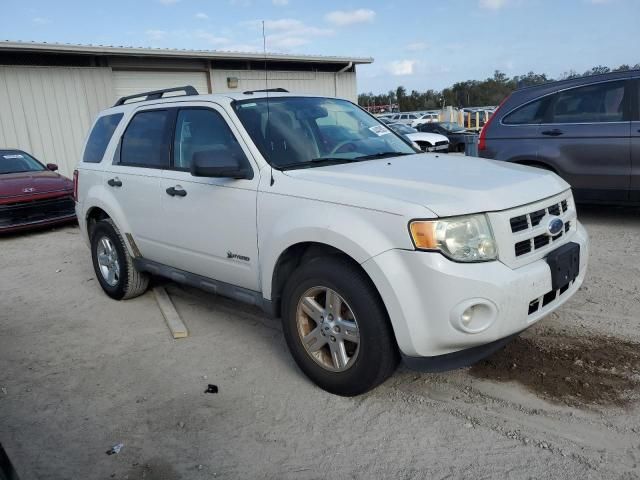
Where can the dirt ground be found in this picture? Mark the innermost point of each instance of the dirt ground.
(80, 373)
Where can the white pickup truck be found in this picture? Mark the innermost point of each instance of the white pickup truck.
(310, 208)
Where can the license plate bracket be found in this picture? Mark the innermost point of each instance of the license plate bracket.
(564, 263)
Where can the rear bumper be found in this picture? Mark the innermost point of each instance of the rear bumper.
(427, 294)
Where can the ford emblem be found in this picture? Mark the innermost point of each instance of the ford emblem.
(555, 226)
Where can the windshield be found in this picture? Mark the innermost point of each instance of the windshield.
(15, 162)
(452, 127)
(298, 132)
(402, 128)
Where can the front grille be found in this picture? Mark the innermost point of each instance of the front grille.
(441, 143)
(537, 303)
(36, 211)
(521, 223)
(522, 232)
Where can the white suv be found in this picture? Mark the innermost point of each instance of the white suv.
(309, 207)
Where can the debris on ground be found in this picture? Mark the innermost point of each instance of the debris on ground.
(115, 449)
(571, 370)
(211, 389)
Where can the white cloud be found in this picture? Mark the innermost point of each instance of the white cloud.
(401, 67)
(41, 20)
(492, 4)
(156, 34)
(342, 18)
(202, 16)
(211, 38)
(416, 47)
(280, 3)
(287, 33)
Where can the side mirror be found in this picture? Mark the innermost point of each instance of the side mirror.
(52, 166)
(218, 164)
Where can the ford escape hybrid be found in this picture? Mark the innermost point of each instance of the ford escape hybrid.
(310, 208)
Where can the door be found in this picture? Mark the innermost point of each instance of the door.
(585, 137)
(634, 193)
(134, 177)
(209, 223)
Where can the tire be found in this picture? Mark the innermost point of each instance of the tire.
(376, 355)
(129, 282)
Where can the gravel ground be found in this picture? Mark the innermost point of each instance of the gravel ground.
(80, 373)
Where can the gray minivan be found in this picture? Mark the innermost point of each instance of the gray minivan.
(585, 129)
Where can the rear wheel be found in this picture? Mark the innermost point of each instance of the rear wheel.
(337, 328)
(113, 265)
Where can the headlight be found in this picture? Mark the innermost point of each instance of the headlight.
(463, 239)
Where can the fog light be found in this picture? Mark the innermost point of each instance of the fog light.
(474, 315)
(467, 316)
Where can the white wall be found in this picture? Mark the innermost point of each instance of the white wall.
(320, 83)
(128, 82)
(47, 111)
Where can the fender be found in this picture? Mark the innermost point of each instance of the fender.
(98, 196)
(353, 231)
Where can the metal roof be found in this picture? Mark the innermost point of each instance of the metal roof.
(19, 46)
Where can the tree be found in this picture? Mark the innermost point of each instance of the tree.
(474, 93)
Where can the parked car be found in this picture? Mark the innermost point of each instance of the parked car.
(587, 130)
(425, 118)
(428, 142)
(32, 194)
(457, 135)
(405, 118)
(313, 210)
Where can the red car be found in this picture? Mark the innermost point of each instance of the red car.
(32, 194)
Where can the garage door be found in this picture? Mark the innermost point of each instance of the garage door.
(132, 82)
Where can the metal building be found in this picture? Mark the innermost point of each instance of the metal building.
(50, 93)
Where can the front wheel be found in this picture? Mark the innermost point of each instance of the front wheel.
(337, 328)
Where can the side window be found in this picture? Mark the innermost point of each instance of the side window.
(145, 143)
(99, 137)
(603, 102)
(202, 130)
(531, 113)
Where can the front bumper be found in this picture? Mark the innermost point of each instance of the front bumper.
(27, 213)
(425, 295)
(439, 148)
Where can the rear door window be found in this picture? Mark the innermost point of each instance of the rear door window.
(145, 143)
(603, 102)
(100, 137)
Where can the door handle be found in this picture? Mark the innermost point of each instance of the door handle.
(552, 133)
(179, 192)
(114, 182)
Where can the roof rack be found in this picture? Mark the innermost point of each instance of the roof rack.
(156, 94)
(266, 90)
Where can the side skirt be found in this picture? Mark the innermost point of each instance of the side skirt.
(241, 294)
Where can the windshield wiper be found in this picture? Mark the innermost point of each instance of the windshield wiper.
(316, 162)
(382, 155)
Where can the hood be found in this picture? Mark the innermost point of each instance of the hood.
(427, 137)
(445, 184)
(45, 181)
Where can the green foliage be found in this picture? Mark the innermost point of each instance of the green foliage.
(472, 93)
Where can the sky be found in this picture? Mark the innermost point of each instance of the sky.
(418, 44)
